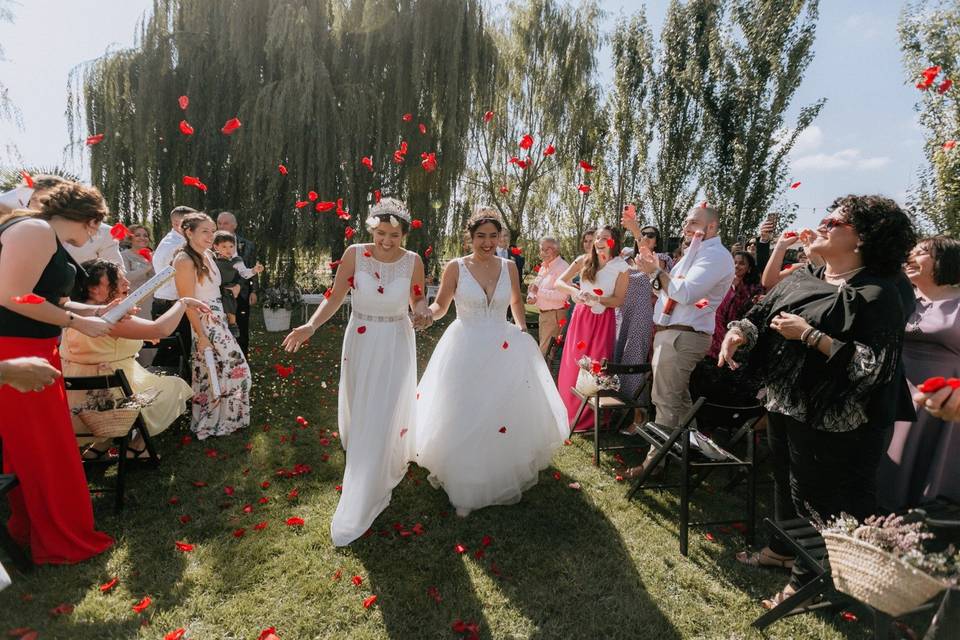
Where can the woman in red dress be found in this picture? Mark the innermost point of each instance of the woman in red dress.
(50, 509)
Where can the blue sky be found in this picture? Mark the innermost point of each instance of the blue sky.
(865, 140)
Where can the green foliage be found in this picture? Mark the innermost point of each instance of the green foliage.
(10, 178)
(930, 35)
(755, 66)
(316, 84)
(542, 85)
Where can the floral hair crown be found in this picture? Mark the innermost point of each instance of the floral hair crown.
(389, 208)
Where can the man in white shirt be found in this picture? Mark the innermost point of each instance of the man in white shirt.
(542, 292)
(503, 245)
(697, 284)
(101, 246)
(166, 295)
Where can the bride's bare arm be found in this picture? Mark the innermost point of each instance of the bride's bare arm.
(516, 301)
(448, 287)
(341, 286)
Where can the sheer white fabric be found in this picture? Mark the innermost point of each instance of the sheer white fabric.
(378, 379)
(489, 416)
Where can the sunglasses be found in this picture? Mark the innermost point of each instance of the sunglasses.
(649, 234)
(832, 223)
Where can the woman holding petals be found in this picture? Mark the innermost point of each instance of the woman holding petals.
(378, 376)
(604, 280)
(488, 416)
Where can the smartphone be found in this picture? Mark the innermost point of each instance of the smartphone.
(630, 211)
(773, 217)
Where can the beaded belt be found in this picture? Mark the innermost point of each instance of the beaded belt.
(369, 318)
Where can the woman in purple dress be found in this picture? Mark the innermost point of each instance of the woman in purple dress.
(921, 459)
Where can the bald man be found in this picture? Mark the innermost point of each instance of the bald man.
(684, 334)
(247, 250)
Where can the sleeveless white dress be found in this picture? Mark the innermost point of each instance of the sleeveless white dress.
(489, 416)
(378, 385)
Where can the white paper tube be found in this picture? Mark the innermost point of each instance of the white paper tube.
(118, 312)
(212, 369)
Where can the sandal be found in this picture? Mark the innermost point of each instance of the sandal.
(765, 558)
(783, 594)
(139, 454)
(632, 430)
(98, 455)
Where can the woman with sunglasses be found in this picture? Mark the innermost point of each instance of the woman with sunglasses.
(635, 316)
(826, 342)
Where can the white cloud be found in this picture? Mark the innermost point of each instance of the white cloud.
(865, 25)
(843, 159)
(808, 141)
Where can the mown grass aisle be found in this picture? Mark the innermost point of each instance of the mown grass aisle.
(564, 563)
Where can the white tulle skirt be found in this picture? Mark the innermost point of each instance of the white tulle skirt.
(378, 378)
(489, 416)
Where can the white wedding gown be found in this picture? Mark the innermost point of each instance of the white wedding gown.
(489, 416)
(378, 379)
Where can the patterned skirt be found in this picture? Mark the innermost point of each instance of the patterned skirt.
(220, 415)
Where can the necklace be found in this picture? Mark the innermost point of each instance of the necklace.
(842, 275)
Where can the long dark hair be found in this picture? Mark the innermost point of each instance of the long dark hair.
(753, 275)
(592, 265)
(190, 222)
(886, 232)
(945, 253)
(93, 272)
(656, 241)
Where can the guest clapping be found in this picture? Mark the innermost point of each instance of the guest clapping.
(827, 340)
(543, 292)
(592, 330)
(51, 510)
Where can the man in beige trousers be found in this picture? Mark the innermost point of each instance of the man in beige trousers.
(697, 285)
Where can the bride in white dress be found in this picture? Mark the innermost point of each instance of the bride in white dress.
(489, 416)
(378, 373)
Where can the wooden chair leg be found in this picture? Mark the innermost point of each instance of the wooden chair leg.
(816, 587)
(596, 433)
(121, 473)
(576, 418)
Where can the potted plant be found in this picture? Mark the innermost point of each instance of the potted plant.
(278, 304)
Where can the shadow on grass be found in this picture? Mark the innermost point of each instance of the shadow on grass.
(556, 568)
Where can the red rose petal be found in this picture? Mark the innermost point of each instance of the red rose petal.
(230, 126)
(362, 329)
(502, 429)
(488, 116)
(176, 634)
(142, 605)
(584, 189)
(282, 169)
(184, 102)
(294, 522)
(110, 584)
(95, 139)
(586, 166)
(459, 548)
(356, 580)
(185, 128)
(368, 602)
(63, 609)
(27, 178)
(185, 547)
(30, 298)
(416, 224)
(239, 533)
(932, 385)
(581, 345)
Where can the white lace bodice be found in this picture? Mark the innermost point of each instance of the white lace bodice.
(381, 289)
(471, 299)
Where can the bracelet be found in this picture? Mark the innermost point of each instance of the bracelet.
(806, 334)
(816, 344)
(70, 318)
(816, 335)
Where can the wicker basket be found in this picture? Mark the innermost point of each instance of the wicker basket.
(877, 578)
(113, 423)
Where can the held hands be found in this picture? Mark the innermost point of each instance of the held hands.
(421, 319)
(731, 342)
(297, 337)
(788, 325)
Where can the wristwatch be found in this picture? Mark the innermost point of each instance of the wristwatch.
(655, 279)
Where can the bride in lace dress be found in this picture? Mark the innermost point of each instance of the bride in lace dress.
(378, 373)
(489, 416)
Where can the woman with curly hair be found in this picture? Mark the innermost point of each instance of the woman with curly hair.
(826, 341)
(50, 510)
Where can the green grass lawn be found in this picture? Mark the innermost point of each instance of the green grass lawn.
(561, 564)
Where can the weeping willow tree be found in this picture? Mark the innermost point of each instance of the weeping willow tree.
(317, 85)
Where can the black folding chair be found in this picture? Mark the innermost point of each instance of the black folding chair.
(175, 343)
(9, 482)
(116, 380)
(610, 401)
(695, 465)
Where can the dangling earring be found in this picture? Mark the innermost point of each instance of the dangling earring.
(856, 249)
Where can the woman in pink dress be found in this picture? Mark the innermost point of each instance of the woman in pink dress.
(593, 326)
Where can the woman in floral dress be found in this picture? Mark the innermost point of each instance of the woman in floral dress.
(198, 277)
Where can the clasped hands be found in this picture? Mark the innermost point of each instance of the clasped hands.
(421, 319)
(788, 325)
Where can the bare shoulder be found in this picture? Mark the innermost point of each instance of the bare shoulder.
(31, 230)
(183, 261)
